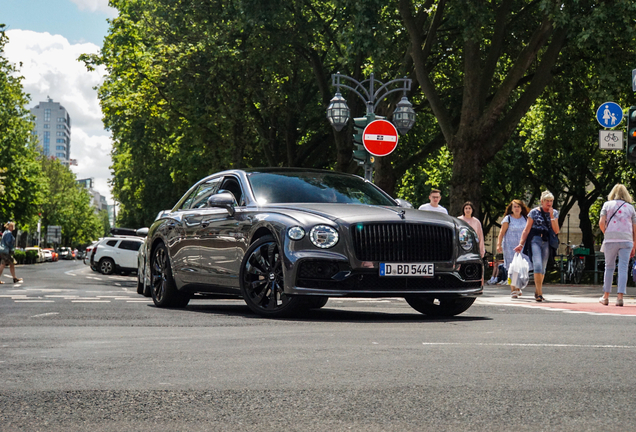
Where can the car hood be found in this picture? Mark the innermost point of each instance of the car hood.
(360, 213)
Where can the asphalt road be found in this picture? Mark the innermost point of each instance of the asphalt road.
(82, 351)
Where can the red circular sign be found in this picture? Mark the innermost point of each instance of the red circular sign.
(380, 137)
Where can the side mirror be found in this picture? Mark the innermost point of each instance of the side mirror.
(142, 232)
(223, 200)
(403, 203)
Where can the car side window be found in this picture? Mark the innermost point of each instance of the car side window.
(231, 184)
(203, 193)
(130, 245)
(111, 242)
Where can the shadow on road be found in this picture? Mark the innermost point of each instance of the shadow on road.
(328, 314)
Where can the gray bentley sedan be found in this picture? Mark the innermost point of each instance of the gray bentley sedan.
(287, 239)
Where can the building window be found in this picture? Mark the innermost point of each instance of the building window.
(60, 126)
(60, 155)
(60, 148)
(46, 126)
(61, 120)
(47, 115)
(60, 140)
(60, 134)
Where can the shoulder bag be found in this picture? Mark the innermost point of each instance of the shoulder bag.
(552, 236)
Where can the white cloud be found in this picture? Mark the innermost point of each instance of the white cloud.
(50, 69)
(95, 6)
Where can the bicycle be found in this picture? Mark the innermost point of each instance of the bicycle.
(574, 265)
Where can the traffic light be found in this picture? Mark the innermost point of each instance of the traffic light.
(631, 135)
(360, 154)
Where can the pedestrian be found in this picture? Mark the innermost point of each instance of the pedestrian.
(512, 225)
(433, 205)
(543, 222)
(618, 223)
(6, 251)
(468, 210)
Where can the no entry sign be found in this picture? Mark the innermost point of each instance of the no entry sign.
(380, 137)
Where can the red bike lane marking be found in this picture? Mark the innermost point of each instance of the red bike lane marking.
(586, 307)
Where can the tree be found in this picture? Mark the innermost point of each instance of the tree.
(68, 205)
(22, 182)
(482, 65)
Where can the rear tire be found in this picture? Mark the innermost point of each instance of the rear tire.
(140, 283)
(440, 307)
(163, 288)
(106, 266)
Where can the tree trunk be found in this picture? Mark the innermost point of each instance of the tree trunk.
(466, 178)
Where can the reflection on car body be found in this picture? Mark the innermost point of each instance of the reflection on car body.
(288, 239)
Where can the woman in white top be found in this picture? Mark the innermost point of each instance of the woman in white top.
(512, 226)
(618, 223)
(467, 216)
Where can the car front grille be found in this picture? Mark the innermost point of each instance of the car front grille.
(402, 242)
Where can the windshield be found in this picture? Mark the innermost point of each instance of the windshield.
(315, 187)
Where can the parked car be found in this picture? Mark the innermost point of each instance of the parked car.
(48, 255)
(116, 254)
(66, 253)
(40, 253)
(288, 239)
(87, 254)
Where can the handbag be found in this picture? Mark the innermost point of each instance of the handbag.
(553, 238)
(4, 249)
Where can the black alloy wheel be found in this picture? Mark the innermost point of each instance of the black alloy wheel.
(262, 282)
(164, 290)
(440, 307)
(107, 266)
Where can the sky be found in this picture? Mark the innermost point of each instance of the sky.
(45, 40)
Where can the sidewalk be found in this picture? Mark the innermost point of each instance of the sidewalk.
(570, 298)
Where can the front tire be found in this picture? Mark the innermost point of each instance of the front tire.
(442, 307)
(164, 290)
(262, 281)
(107, 266)
(316, 302)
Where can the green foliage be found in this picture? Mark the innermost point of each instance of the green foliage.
(22, 184)
(68, 205)
(20, 256)
(31, 256)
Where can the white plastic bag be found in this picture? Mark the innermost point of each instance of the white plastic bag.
(519, 272)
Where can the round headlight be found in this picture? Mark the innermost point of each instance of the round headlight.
(323, 236)
(296, 233)
(465, 239)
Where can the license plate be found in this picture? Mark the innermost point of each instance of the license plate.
(407, 269)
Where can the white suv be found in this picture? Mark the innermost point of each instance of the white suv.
(116, 254)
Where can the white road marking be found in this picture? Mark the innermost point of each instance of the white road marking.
(34, 301)
(45, 314)
(93, 277)
(90, 301)
(530, 345)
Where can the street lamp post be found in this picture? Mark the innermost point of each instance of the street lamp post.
(338, 112)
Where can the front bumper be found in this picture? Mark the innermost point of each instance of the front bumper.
(338, 279)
